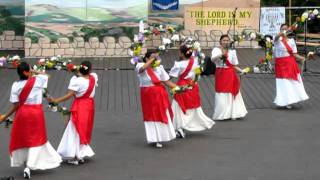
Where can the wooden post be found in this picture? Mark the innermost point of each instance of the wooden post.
(290, 13)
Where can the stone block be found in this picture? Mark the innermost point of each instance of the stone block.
(27, 42)
(94, 42)
(109, 42)
(47, 52)
(59, 52)
(78, 42)
(80, 52)
(69, 51)
(90, 52)
(17, 44)
(9, 33)
(63, 43)
(35, 52)
(6, 44)
(110, 52)
(101, 52)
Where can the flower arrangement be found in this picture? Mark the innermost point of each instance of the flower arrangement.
(306, 16)
(135, 50)
(55, 107)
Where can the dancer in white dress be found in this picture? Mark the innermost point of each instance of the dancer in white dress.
(228, 100)
(28, 142)
(289, 84)
(157, 113)
(75, 143)
(186, 106)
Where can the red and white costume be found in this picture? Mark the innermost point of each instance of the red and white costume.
(289, 84)
(77, 135)
(186, 106)
(228, 99)
(28, 142)
(157, 113)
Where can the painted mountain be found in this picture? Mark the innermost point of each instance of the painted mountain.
(69, 11)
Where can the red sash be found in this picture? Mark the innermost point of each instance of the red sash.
(189, 99)
(155, 101)
(82, 113)
(287, 67)
(29, 129)
(227, 80)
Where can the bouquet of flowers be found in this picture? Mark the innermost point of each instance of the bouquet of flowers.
(14, 60)
(55, 107)
(179, 89)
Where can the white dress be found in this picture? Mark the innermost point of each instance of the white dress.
(227, 106)
(193, 119)
(156, 131)
(40, 157)
(288, 91)
(70, 146)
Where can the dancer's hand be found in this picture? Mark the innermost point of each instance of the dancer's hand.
(51, 100)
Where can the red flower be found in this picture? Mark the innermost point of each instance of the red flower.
(261, 60)
(156, 32)
(71, 67)
(15, 63)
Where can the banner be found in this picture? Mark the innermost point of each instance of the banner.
(213, 18)
(271, 19)
(161, 5)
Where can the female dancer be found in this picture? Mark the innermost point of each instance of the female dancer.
(157, 113)
(228, 100)
(28, 142)
(289, 84)
(186, 106)
(75, 142)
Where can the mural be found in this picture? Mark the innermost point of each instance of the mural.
(12, 16)
(85, 18)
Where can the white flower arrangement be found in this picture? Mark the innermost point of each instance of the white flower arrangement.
(253, 36)
(166, 41)
(175, 38)
(162, 47)
(196, 46)
(315, 12)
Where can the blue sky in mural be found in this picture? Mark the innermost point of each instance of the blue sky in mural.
(115, 4)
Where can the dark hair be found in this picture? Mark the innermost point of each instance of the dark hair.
(85, 67)
(223, 36)
(148, 55)
(23, 66)
(283, 25)
(186, 51)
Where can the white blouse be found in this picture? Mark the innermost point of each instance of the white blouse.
(81, 84)
(145, 80)
(281, 51)
(217, 54)
(180, 66)
(35, 96)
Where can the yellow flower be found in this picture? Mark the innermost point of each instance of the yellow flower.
(269, 56)
(156, 63)
(137, 50)
(247, 70)
(197, 71)
(49, 64)
(268, 44)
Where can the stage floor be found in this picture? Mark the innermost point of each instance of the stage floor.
(269, 143)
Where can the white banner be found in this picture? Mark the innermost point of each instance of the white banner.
(271, 19)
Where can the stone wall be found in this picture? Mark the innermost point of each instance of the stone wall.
(9, 41)
(109, 47)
